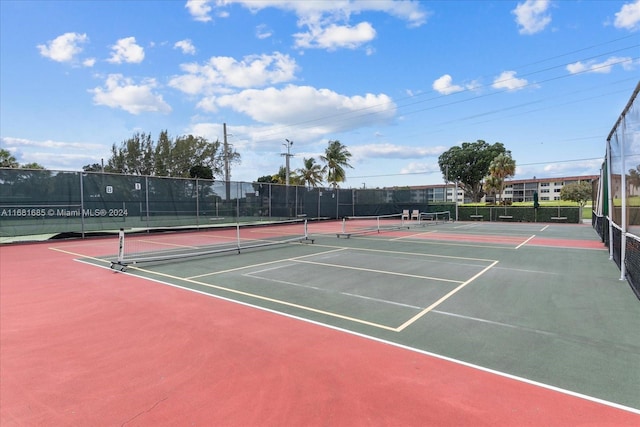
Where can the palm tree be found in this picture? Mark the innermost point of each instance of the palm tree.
(501, 168)
(336, 157)
(281, 177)
(491, 185)
(311, 174)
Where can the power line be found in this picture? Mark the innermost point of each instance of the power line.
(363, 112)
(438, 171)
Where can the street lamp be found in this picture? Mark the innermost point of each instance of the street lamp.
(287, 156)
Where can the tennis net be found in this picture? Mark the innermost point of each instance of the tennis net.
(354, 225)
(135, 248)
(434, 217)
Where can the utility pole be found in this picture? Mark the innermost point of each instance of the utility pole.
(446, 182)
(227, 172)
(286, 193)
(287, 155)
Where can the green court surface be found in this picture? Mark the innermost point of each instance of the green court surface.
(535, 301)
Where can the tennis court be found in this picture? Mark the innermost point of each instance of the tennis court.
(417, 323)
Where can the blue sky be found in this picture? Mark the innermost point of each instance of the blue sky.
(397, 82)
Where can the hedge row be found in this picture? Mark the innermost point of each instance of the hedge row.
(518, 214)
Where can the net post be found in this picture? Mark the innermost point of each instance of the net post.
(121, 246)
(344, 225)
(306, 230)
(238, 236)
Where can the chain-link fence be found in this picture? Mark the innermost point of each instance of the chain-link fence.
(617, 212)
(42, 204)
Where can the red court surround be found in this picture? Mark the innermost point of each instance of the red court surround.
(84, 346)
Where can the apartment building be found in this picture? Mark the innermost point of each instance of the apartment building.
(548, 188)
(521, 190)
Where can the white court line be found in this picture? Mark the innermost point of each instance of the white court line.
(443, 299)
(213, 273)
(492, 322)
(415, 254)
(383, 341)
(316, 288)
(413, 235)
(467, 226)
(525, 242)
(381, 300)
(544, 228)
(370, 270)
(284, 282)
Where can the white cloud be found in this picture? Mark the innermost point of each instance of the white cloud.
(263, 32)
(508, 80)
(531, 16)
(126, 50)
(186, 46)
(63, 48)
(420, 167)
(334, 36)
(15, 143)
(407, 10)
(445, 86)
(585, 167)
(629, 16)
(392, 151)
(600, 67)
(326, 23)
(199, 9)
(61, 155)
(89, 62)
(305, 104)
(222, 72)
(121, 92)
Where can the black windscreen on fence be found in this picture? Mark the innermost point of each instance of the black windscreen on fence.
(49, 203)
(632, 263)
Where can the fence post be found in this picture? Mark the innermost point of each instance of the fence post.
(82, 204)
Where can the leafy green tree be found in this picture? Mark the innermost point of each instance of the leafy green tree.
(199, 171)
(634, 177)
(134, 156)
(162, 155)
(139, 155)
(580, 192)
(311, 173)
(117, 160)
(336, 158)
(7, 160)
(95, 167)
(188, 151)
(491, 185)
(231, 155)
(281, 177)
(269, 179)
(501, 168)
(469, 164)
(32, 165)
